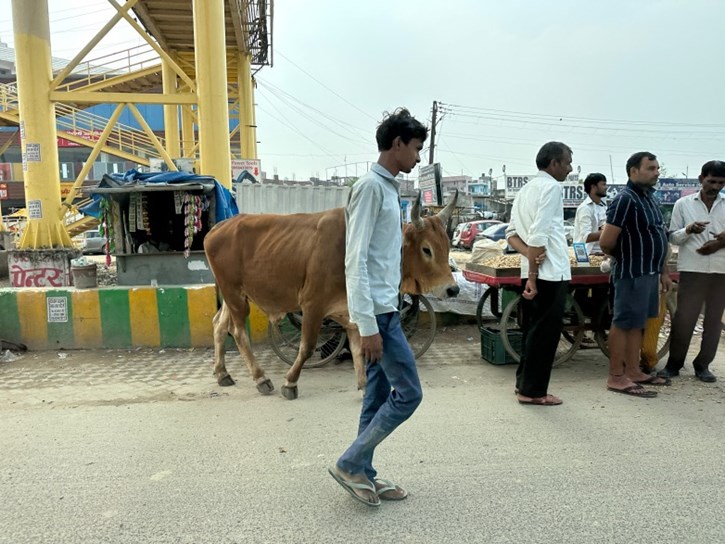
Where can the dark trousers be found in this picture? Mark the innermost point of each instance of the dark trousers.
(694, 290)
(542, 325)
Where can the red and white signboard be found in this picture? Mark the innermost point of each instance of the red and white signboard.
(247, 170)
(90, 135)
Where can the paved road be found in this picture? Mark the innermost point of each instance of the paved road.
(142, 446)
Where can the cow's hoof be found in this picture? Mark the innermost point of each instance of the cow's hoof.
(265, 387)
(226, 381)
(290, 393)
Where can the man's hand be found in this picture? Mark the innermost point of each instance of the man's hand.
(541, 258)
(697, 227)
(530, 289)
(710, 247)
(372, 348)
(666, 282)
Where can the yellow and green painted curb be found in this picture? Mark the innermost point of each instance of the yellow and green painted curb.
(115, 317)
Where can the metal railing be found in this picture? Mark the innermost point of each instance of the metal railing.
(109, 66)
(89, 126)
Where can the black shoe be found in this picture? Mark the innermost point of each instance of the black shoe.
(668, 373)
(705, 376)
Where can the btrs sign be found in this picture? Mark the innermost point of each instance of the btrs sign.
(3, 191)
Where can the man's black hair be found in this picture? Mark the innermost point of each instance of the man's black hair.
(635, 161)
(713, 168)
(550, 152)
(399, 123)
(592, 179)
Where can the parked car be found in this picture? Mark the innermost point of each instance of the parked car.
(496, 233)
(472, 229)
(94, 243)
(456, 239)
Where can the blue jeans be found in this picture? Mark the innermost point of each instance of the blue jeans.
(392, 394)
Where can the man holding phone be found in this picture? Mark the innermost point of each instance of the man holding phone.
(698, 227)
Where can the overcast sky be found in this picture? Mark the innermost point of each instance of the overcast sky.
(608, 78)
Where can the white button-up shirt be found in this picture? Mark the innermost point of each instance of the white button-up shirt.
(590, 216)
(687, 210)
(373, 242)
(537, 216)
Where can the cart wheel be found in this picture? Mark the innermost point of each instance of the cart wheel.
(602, 325)
(286, 335)
(419, 323)
(488, 311)
(569, 342)
(604, 322)
(572, 333)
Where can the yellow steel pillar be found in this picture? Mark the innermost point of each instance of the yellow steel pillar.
(211, 86)
(171, 112)
(254, 121)
(31, 29)
(187, 130)
(247, 131)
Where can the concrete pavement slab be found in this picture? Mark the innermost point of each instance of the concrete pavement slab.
(143, 446)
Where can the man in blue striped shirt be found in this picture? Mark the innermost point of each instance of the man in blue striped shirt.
(636, 236)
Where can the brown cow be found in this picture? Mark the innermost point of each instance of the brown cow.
(287, 263)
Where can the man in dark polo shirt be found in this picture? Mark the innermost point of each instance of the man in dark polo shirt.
(636, 236)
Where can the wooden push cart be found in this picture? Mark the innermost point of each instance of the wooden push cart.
(588, 308)
(417, 318)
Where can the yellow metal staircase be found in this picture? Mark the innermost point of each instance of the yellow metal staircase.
(79, 126)
(137, 69)
(79, 226)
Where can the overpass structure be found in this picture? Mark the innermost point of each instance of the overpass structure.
(197, 61)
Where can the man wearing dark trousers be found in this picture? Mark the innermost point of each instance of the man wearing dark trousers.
(698, 227)
(537, 219)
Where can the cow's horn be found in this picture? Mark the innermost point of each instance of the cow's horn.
(415, 214)
(445, 214)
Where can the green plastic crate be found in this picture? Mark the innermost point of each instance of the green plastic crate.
(492, 349)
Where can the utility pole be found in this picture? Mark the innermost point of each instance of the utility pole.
(433, 133)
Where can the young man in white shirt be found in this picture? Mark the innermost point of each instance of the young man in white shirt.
(537, 217)
(592, 213)
(698, 227)
(373, 275)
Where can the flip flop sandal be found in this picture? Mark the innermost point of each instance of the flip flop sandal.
(656, 381)
(542, 401)
(389, 486)
(350, 487)
(635, 391)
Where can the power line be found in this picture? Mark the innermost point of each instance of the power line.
(291, 126)
(323, 85)
(473, 109)
(612, 130)
(287, 99)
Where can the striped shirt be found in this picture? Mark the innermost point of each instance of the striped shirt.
(642, 245)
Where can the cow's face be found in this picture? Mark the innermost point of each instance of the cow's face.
(425, 254)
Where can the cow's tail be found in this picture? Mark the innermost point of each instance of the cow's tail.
(219, 297)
